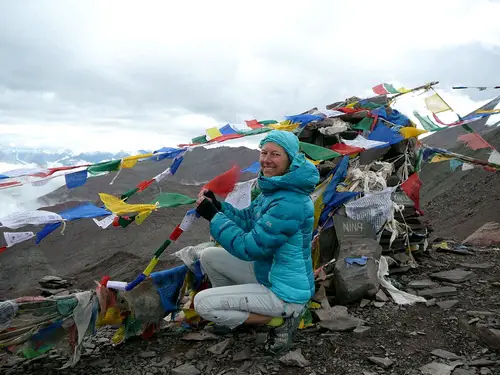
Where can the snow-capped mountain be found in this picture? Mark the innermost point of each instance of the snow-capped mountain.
(45, 159)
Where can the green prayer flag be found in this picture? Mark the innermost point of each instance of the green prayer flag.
(126, 221)
(427, 123)
(370, 105)
(390, 88)
(268, 122)
(200, 139)
(317, 152)
(129, 193)
(172, 200)
(365, 124)
(255, 131)
(105, 166)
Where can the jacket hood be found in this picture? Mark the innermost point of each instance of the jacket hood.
(302, 176)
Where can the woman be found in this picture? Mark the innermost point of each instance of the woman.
(263, 272)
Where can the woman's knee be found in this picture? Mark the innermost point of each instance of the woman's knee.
(201, 305)
(210, 255)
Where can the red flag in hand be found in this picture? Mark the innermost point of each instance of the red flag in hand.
(224, 183)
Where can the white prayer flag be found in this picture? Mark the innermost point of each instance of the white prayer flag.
(467, 166)
(362, 142)
(20, 219)
(106, 222)
(494, 157)
(188, 220)
(436, 104)
(12, 238)
(241, 196)
(162, 175)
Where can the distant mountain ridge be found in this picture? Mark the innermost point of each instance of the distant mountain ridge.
(45, 159)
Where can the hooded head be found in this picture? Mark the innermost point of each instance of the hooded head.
(284, 166)
(278, 150)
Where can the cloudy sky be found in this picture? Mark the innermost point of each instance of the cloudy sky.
(110, 75)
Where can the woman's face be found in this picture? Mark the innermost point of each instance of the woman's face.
(273, 160)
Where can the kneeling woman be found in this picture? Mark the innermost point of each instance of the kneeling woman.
(263, 272)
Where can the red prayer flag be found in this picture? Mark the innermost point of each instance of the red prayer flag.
(176, 233)
(474, 141)
(3, 248)
(144, 184)
(412, 188)
(380, 89)
(224, 183)
(254, 124)
(346, 149)
(225, 137)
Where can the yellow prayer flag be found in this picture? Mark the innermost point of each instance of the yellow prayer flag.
(439, 158)
(409, 132)
(351, 105)
(151, 266)
(436, 104)
(119, 207)
(131, 161)
(213, 133)
(317, 198)
(492, 111)
(403, 90)
(141, 216)
(286, 125)
(315, 162)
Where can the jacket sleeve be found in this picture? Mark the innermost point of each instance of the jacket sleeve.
(242, 218)
(276, 225)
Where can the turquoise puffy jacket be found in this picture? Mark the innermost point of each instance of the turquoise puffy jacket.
(275, 231)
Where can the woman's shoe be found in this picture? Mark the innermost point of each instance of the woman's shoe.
(281, 338)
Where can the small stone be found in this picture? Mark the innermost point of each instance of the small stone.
(381, 296)
(473, 320)
(440, 353)
(457, 275)
(448, 304)
(378, 304)
(481, 362)
(339, 311)
(200, 336)
(107, 369)
(461, 371)
(102, 340)
(422, 284)
(477, 266)
(382, 362)
(485, 371)
(243, 355)
(260, 338)
(480, 314)
(294, 358)
(147, 354)
(190, 354)
(165, 361)
(361, 331)
(364, 302)
(436, 368)
(88, 345)
(444, 291)
(185, 369)
(341, 324)
(430, 302)
(222, 346)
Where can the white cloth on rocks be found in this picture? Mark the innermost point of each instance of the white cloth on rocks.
(399, 297)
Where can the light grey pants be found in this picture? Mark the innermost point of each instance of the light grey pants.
(235, 291)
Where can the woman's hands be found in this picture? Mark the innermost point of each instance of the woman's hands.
(207, 204)
(208, 194)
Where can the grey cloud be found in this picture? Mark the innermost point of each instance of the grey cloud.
(43, 51)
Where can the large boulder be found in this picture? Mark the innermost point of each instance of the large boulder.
(356, 277)
(487, 235)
